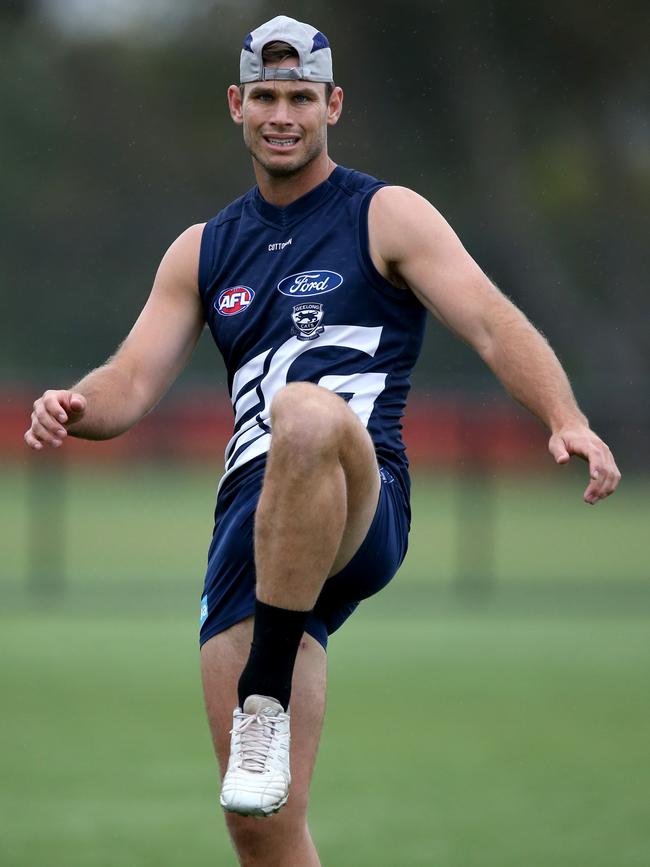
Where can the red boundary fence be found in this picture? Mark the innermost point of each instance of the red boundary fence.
(438, 430)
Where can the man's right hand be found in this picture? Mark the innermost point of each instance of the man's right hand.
(53, 414)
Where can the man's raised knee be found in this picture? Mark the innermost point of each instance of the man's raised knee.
(307, 417)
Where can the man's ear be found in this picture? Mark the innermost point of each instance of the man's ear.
(235, 103)
(335, 106)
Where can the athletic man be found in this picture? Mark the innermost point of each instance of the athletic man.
(315, 286)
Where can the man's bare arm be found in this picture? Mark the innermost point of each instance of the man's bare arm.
(427, 257)
(112, 398)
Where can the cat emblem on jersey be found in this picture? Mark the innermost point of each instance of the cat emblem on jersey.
(307, 320)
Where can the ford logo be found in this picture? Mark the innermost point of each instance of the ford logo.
(306, 284)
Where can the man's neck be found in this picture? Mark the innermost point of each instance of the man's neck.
(282, 191)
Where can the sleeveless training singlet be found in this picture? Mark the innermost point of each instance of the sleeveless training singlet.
(291, 294)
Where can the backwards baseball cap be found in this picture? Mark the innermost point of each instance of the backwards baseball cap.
(315, 55)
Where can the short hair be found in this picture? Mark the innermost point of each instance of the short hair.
(277, 51)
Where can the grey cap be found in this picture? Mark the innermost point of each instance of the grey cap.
(315, 55)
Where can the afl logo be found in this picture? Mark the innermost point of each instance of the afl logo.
(306, 284)
(233, 300)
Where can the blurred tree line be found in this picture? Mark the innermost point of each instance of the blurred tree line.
(526, 124)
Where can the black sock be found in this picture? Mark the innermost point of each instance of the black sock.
(276, 638)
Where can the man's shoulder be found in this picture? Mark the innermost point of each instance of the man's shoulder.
(352, 181)
(232, 211)
(395, 203)
(392, 200)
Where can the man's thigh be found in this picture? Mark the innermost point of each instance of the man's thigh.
(222, 660)
(303, 406)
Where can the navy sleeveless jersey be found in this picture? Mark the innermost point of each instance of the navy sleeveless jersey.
(291, 294)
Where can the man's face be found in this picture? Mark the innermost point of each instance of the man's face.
(284, 122)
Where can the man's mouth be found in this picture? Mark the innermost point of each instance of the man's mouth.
(281, 142)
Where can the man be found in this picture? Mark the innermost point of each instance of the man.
(315, 286)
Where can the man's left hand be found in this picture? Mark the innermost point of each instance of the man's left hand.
(604, 475)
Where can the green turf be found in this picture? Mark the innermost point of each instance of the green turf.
(450, 741)
(496, 728)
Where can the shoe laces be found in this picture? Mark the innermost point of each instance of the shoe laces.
(255, 733)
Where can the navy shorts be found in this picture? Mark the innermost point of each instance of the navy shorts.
(229, 589)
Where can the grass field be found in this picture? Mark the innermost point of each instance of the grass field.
(485, 728)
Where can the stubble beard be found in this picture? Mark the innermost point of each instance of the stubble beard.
(285, 168)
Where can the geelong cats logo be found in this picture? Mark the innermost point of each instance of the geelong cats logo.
(307, 320)
(233, 300)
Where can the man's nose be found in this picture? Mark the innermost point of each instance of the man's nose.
(281, 114)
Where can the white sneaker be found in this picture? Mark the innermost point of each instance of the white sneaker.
(258, 776)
